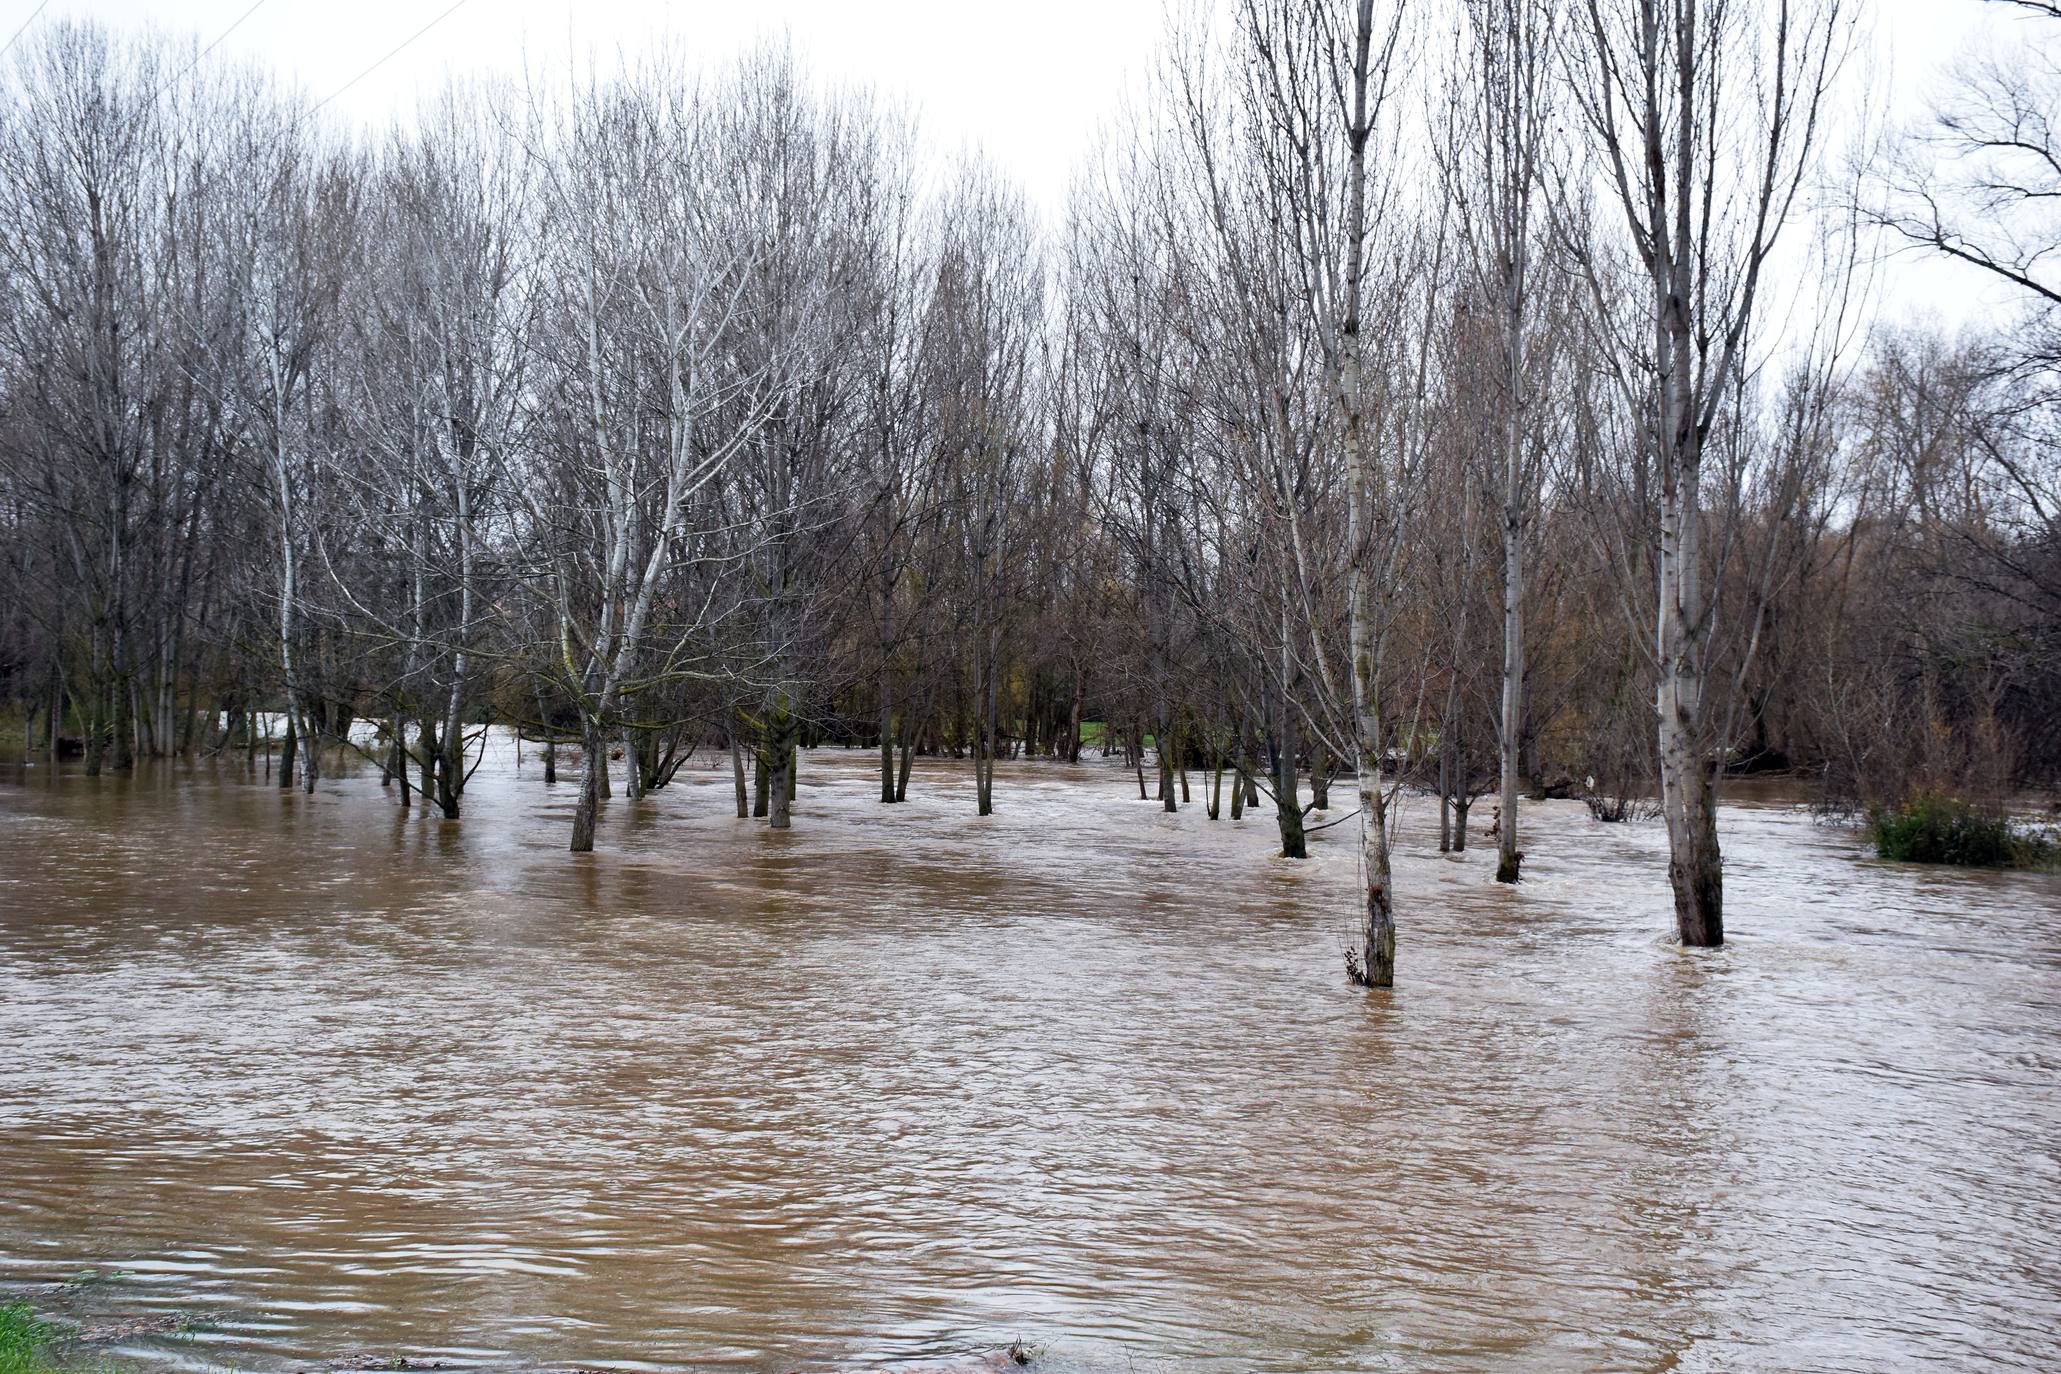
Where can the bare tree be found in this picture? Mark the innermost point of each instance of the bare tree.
(1703, 116)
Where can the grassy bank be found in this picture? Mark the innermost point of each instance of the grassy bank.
(26, 1341)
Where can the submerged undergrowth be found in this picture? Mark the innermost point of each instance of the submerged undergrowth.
(1935, 827)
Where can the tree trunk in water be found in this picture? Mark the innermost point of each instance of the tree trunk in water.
(124, 723)
(288, 747)
(1696, 868)
(1287, 795)
(429, 743)
(1073, 715)
(1162, 747)
(1377, 945)
(989, 735)
(596, 752)
(1377, 941)
(397, 757)
(1288, 816)
(1507, 856)
(633, 765)
(779, 784)
(737, 777)
(1688, 775)
(451, 770)
(887, 743)
(96, 741)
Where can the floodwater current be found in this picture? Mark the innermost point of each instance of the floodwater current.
(903, 1084)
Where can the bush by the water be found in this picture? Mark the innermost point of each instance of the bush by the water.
(22, 1340)
(1937, 828)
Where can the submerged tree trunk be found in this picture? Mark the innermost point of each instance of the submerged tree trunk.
(737, 776)
(451, 770)
(1507, 855)
(1695, 867)
(1073, 714)
(1688, 776)
(1287, 795)
(1376, 963)
(887, 743)
(780, 783)
(589, 804)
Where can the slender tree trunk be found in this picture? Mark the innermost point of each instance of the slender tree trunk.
(1376, 963)
(428, 741)
(400, 758)
(1508, 857)
(990, 720)
(1073, 714)
(887, 742)
(1688, 775)
(737, 775)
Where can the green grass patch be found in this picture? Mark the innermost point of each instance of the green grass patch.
(1933, 827)
(25, 1340)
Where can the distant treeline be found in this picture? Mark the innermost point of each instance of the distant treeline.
(1403, 397)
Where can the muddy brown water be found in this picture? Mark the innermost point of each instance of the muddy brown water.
(904, 1084)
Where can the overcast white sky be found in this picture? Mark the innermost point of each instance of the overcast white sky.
(1028, 82)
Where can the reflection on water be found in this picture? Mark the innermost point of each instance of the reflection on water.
(904, 1083)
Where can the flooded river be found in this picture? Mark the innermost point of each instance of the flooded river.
(905, 1084)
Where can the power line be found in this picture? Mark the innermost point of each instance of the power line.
(23, 29)
(203, 55)
(389, 57)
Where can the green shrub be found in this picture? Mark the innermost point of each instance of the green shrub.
(1933, 827)
(22, 1338)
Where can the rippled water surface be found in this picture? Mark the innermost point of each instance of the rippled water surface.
(905, 1084)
